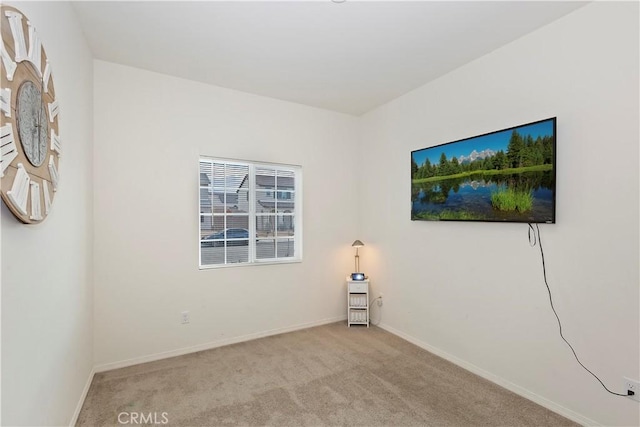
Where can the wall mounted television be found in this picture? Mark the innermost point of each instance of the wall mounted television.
(504, 176)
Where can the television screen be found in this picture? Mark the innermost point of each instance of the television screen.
(503, 176)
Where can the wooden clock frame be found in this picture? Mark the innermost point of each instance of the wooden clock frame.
(27, 189)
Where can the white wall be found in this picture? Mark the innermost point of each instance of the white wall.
(149, 131)
(47, 298)
(474, 291)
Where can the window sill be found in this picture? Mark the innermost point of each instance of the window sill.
(250, 264)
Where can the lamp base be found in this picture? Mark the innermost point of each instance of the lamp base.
(358, 276)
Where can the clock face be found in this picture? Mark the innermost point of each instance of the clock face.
(32, 123)
(30, 145)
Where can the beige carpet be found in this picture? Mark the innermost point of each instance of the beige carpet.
(325, 376)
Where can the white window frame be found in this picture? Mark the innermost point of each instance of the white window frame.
(297, 213)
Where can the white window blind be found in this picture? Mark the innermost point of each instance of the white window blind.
(249, 213)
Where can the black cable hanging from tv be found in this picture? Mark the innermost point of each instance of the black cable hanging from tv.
(534, 239)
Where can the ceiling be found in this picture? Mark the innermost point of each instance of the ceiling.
(349, 57)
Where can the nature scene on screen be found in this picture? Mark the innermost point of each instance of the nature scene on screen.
(503, 176)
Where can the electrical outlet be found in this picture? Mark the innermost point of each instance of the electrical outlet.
(380, 300)
(633, 386)
(185, 317)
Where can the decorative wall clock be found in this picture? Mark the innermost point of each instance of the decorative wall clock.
(28, 120)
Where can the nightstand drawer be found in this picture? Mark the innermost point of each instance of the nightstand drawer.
(358, 286)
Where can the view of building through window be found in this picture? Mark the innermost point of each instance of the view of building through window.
(249, 212)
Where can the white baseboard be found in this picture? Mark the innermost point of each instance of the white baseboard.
(210, 345)
(552, 406)
(83, 396)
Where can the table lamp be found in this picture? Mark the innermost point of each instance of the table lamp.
(357, 275)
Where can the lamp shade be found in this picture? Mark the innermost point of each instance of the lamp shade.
(357, 244)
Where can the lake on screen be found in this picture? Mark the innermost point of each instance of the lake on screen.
(473, 195)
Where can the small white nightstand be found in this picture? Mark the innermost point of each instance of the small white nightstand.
(357, 302)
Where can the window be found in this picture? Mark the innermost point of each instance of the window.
(249, 213)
